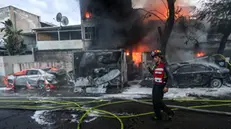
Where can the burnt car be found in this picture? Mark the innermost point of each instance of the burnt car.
(37, 77)
(198, 75)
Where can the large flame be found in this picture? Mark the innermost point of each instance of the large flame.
(137, 58)
(160, 9)
(137, 51)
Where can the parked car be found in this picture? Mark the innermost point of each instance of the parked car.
(36, 77)
(198, 74)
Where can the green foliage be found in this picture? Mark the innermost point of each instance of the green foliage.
(218, 13)
(13, 39)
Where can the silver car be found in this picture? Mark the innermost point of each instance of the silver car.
(33, 77)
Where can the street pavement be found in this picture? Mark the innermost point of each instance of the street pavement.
(69, 119)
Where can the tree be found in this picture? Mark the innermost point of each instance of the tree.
(190, 28)
(164, 37)
(13, 39)
(218, 13)
(168, 23)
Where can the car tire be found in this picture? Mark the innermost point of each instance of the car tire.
(216, 83)
(41, 84)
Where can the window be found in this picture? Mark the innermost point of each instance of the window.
(75, 35)
(47, 36)
(90, 33)
(184, 69)
(197, 68)
(64, 36)
(72, 35)
(33, 72)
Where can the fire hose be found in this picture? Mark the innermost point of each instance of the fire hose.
(66, 105)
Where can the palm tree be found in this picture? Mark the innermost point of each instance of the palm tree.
(13, 39)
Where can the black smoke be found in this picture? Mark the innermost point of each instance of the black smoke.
(118, 24)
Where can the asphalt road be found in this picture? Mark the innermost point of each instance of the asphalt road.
(69, 119)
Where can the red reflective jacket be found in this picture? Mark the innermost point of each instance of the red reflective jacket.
(159, 74)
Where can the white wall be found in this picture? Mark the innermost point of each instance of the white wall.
(21, 66)
(6, 63)
(25, 20)
(64, 44)
(2, 68)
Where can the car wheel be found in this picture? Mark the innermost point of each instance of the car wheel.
(41, 84)
(216, 83)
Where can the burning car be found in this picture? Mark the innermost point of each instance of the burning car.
(198, 74)
(37, 78)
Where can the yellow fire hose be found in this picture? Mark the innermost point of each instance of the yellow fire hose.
(79, 106)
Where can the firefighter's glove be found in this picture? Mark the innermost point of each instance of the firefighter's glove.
(165, 90)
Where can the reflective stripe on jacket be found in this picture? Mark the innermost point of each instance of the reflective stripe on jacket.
(160, 74)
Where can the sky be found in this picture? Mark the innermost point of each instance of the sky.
(47, 9)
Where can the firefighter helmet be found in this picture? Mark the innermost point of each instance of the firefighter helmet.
(156, 53)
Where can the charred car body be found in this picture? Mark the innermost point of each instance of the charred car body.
(187, 74)
(37, 78)
(198, 75)
(95, 68)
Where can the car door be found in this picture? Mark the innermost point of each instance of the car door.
(200, 75)
(33, 77)
(183, 76)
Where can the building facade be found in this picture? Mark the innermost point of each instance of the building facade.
(102, 21)
(59, 38)
(21, 20)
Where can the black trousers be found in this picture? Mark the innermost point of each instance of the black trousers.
(157, 99)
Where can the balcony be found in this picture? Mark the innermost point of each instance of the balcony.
(59, 38)
(60, 45)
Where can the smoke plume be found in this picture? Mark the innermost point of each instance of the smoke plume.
(119, 26)
(122, 24)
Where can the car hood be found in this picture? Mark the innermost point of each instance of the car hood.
(57, 71)
(49, 75)
(224, 70)
(11, 77)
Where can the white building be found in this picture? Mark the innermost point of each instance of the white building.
(22, 20)
(59, 38)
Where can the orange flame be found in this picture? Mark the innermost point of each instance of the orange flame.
(160, 9)
(137, 51)
(127, 54)
(87, 15)
(137, 58)
(200, 54)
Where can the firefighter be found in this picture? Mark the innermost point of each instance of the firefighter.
(160, 74)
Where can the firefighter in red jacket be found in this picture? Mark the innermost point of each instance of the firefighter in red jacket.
(160, 75)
